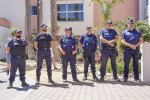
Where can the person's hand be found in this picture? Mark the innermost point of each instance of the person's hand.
(74, 52)
(111, 43)
(133, 46)
(63, 52)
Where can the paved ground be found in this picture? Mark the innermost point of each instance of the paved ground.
(87, 90)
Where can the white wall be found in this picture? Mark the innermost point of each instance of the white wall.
(78, 27)
(4, 34)
(13, 11)
(145, 62)
(144, 9)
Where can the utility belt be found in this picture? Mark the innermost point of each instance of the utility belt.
(17, 57)
(127, 48)
(68, 52)
(42, 49)
(110, 48)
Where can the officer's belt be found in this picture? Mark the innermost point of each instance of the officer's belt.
(43, 48)
(127, 48)
(68, 52)
(88, 50)
(18, 57)
(111, 48)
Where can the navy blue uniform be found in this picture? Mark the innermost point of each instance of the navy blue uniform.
(89, 46)
(108, 51)
(68, 44)
(43, 52)
(131, 37)
(17, 51)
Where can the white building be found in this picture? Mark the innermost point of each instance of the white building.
(12, 14)
(144, 10)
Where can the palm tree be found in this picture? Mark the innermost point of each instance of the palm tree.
(54, 27)
(28, 31)
(106, 7)
(40, 13)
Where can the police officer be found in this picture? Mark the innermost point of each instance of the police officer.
(89, 45)
(68, 48)
(131, 40)
(108, 38)
(43, 43)
(17, 48)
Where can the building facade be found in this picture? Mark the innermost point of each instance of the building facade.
(144, 11)
(75, 13)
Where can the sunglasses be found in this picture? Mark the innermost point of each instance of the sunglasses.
(132, 23)
(19, 32)
(67, 30)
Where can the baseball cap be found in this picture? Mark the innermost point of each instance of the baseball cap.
(43, 25)
(18, 30)
(109, 21)
(67, 28)
(131, 20)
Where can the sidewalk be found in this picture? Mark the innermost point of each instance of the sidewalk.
(87, 90)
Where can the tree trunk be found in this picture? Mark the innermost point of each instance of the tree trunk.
(40, 13)
(31, 53)
(54, 28)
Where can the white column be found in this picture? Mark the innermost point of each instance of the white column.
(145, 62)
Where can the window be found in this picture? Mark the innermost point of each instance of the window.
(70, 12)
(33, 10)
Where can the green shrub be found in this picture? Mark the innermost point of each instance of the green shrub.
(120, 66)
(80, 57)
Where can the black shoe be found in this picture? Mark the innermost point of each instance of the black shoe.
(50, 81)
(101, 79)
(85, 77)
(10, 86)
(7, 72)
(95, 79)
(37, 83)
(137, 80)
(64, 80)
(24, 84)
(117, 79)
(125, 80)
(76, 80)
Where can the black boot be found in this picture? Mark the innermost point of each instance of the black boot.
(10, 86)
(7, 72)
(50, 79)
(24, 84)
(94, 77)
(101, 79)
(76, 80)
(85, 77)
(37, 81)
(117, 79)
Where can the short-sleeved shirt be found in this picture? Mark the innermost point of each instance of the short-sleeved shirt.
(131, 36)
(17, 47)
(89, 42)
(43, 40)
(68, 43)
(108, 34)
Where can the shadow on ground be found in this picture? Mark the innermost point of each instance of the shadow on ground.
(56, 85)
(129, 83)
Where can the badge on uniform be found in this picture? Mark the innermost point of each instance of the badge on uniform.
(106, 33)
(128, 33)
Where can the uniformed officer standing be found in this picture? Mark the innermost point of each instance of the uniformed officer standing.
(17, 48)
(43, 43)
(108, 38)
(68, 48)
(89, 45)
(131, 39)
